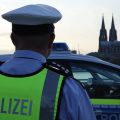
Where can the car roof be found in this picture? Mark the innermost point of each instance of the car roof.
(71, 56)
(5, 57)
(60, 46)
(67, 55)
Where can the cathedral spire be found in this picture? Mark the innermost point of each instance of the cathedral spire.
(113, 33)
(112, 24)
(103, 23)
(103, 35)
(103, 32)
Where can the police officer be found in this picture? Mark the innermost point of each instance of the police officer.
(30, 88)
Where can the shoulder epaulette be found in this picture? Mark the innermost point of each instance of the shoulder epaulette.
(58, 68)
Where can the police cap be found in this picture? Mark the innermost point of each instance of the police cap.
(33, 19)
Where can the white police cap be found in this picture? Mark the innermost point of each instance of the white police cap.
(33, 15)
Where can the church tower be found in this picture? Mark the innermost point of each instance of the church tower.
(113, 33)
(103, 35)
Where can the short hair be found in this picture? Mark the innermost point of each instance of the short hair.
(25, 30)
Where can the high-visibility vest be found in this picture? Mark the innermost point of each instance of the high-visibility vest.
(30, 97)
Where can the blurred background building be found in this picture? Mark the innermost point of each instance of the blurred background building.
(108, 45)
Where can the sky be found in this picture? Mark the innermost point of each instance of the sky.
(79, 27)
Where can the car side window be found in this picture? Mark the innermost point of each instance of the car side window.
(82, 75)
(104, 78)
(99, 81)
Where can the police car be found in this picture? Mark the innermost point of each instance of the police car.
(101, 80)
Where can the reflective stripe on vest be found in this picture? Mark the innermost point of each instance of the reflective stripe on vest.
(33, 97)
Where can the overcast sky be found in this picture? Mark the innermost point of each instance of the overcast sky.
(79, 26)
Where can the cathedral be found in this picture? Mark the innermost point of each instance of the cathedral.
(111, 45)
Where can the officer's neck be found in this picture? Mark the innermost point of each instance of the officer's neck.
(44, 52)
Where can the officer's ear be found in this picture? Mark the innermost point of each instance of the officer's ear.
(13, 38)
(51, 39)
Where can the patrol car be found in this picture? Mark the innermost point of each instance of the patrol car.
(101, 80)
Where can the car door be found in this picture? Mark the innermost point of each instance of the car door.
(103, 86)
